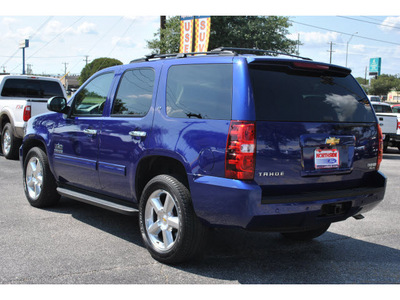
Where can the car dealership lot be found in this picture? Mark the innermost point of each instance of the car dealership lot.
(78, 243)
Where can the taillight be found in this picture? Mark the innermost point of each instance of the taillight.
(380, 148)
(241, 150)
(27, 113)
(398, 124)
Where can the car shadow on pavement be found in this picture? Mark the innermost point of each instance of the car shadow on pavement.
(235, 255)
(391, 153)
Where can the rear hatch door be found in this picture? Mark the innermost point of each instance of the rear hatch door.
(315, 128)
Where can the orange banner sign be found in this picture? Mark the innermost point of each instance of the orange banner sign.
(202, 29)
(186, 35)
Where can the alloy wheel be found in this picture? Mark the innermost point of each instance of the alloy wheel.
(34, 178)
(162, 220)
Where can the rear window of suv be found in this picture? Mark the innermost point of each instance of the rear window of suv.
(200, 91)
(284, 94)
(31, 88)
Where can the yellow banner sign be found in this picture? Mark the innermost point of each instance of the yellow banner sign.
(186, 35)
(202, 29)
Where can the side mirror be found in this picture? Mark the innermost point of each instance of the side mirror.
(57, 104)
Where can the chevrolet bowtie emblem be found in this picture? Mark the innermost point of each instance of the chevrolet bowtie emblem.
(332, 141)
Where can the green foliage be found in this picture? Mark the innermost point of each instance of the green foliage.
(267, 33)
(169, 43)
(384, 84)
(97, 65)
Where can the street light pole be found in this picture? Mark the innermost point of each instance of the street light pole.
(347, 47)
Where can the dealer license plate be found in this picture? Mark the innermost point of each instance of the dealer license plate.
(326, 158)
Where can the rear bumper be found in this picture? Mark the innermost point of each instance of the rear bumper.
(226, 202)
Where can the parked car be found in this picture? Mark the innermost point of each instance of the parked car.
(200, 141)
(390, 124)
(396, 108)
(22, 97)
(374, 98)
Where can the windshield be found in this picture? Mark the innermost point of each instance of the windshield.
(284, 94)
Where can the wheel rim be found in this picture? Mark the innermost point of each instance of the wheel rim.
(162, 220)
(6, 142)
(34, 178)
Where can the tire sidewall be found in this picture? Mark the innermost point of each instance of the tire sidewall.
(48, 195)
(162, 182)
(8, 128)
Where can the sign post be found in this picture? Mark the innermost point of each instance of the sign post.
(22, 45)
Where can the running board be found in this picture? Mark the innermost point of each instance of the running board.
(119, 208)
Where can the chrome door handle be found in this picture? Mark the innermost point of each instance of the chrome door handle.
(138, 133)
(90, 131)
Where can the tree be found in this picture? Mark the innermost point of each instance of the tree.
(384, 84)
(231, 31)
(97, 65)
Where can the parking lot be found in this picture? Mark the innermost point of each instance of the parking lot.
(75, 243)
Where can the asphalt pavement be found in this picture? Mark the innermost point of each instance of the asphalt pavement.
(75, 243)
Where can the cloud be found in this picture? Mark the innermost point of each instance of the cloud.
(315, 37)
(389, 23)
(55, 27)
(86, 28)
(123, 41)
(7, 21)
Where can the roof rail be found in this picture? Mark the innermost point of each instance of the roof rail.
(267, 52)
(219, 51)
(180, 55)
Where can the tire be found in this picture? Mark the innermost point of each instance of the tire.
(39, 183)
(169, 226)
(307, 235)
(9, 143)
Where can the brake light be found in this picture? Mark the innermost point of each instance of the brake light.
(398, 124)
(305, 65)
(380, 148)
(27, 113)
(240, 150)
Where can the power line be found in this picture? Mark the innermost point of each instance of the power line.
(345, 33)
(80, 18)
(375, 23)
(37, 30)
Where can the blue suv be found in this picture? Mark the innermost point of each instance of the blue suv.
(260, 142)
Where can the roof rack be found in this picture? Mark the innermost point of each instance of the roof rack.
(267, 52)
(180, 55)
(219, 51)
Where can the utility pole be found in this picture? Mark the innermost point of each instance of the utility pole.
(330, 55)
(65, 67)
(298, 44)
(163, 20)
(86, 59)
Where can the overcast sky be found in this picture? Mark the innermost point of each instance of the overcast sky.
(64, 39)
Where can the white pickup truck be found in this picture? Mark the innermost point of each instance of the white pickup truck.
(390, 124)
(22, 97)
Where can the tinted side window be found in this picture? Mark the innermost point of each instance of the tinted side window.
(135, 93)
(282, 94)
(200, 91)
(90, 100)
(31, 88)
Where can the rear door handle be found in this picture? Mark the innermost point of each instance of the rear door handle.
(138, 133)
(90, 131)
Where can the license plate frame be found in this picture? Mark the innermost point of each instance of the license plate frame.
(326, 159)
